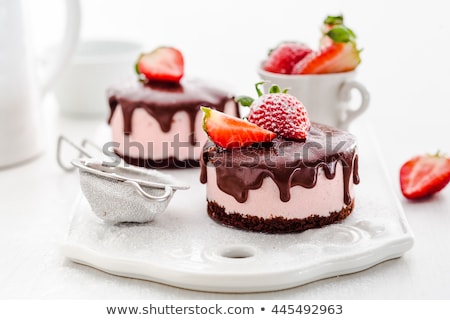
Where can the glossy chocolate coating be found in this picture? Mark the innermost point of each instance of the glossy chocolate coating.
(163, 99)
(288, 163)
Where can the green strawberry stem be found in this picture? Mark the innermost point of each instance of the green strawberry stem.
(341, 33)
(141, 77)
(136, 68)
(136, 65)
(334, 20)
(258, 90)
(247, 101)
(206, 116)
(439, 154)
(275, 89)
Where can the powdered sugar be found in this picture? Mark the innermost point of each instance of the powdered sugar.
(281, 113)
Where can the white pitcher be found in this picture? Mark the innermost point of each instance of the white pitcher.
(22, 84)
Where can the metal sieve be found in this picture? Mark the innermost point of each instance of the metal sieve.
(121, 193)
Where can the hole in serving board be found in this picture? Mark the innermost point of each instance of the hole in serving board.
(237, 253)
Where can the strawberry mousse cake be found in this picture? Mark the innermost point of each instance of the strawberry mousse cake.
(277, 172)
(156, 120)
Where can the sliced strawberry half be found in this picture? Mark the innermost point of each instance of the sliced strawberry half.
(231, 132)
(340, 55)
(424, 175)
(161, 64)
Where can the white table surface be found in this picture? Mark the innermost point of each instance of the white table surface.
(405, 67)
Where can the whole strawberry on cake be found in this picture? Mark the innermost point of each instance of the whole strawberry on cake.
(276, 172)
(155, 118)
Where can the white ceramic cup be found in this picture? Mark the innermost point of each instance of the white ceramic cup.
(326, 97)
(94, 67)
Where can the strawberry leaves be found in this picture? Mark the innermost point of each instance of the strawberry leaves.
(247, 101)
(341, 34)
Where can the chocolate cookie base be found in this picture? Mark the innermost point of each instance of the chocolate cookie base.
(166, 163)
(276, 224)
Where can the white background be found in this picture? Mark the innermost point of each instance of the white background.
(405, 67)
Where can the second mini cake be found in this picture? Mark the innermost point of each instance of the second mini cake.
(302, 179)
(156, 119)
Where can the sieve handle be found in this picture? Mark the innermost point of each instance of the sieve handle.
(82, 150)
(167, 194)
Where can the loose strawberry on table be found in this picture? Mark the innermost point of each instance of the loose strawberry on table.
(424, 175)
(161, 64)
(232, 132)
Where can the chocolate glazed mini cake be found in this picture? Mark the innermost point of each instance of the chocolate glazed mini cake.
(282, 186)
(158, 125)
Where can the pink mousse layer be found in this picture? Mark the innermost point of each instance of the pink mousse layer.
(148, 141)
(327, 196)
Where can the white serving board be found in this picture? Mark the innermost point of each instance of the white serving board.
(183, 247)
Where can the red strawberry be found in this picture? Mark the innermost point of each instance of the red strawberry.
(162, 64)
(339, 56)
(283, 58)
(424, 175)
(231, 132)
(279, 112)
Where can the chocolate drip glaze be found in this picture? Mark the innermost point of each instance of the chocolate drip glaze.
(287, 163)
(163, 100)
